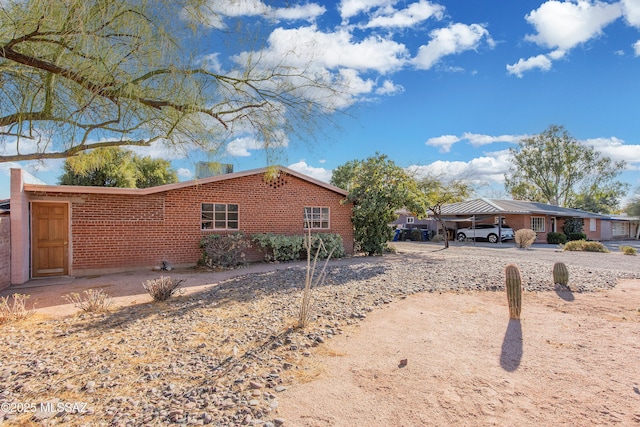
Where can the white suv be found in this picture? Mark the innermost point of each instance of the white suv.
(485, 231)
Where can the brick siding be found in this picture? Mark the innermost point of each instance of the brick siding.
(5, 252)
(120, 232)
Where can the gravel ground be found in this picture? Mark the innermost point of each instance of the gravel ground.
(222, 356)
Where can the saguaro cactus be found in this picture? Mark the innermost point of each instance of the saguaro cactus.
(560, 274)
(513, 283)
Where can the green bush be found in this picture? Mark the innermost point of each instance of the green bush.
(223, 250)
(416, 234)
(556, 238)
(573, 225)
(576, 236)
(282, 247)
(628, 250)
(331, 241)
(583, 245)
(279, 247)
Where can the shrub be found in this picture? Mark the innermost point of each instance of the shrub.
(525, 237)
(279, 247)
(438, 238)
(628, 250)
(416, 234)
(328, 243)
(161, 289)
(556, 238)
(573, 225)
(583, 245)
(10, 312)
(224, 250)
(576, 236)
(94, 301)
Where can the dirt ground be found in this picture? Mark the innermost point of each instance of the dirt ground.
(572, 359)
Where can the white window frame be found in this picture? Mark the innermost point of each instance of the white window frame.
(411, 220)
(619, 228)
(316, 216)
(219, 216)
(593, 224)
(538, 224)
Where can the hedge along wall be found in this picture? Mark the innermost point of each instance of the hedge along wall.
(5, 252)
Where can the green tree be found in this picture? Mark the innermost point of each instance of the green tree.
(378, 188)
(553, 167)
(83, 74)
(633, 206)
(153, 172)
(115, 167)
(439, 192)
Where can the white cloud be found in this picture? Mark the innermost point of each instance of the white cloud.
(452, 40)
(636, 48)
(321, 174)
(631, 10)
(541, 61)
(616, 149)
(478, 140)
(185, 174)
(336, 50)
(414, 14)
(350, 8)
(389, 88)
(240, 147)
(305, 12)
(563, 25)
(566, 24)
(489, 168)
(216, 11)
(444, 142)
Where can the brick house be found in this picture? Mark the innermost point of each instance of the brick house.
(540, 217)
(70, 230)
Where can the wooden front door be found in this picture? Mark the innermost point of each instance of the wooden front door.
(49, 239)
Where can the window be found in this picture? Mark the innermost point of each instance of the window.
(316, 217)
(537, 224)
(592, 224)
(219, 216)
(410, 220)
(620, 228)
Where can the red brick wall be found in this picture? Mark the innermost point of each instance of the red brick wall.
(5, 252)
(113, 232)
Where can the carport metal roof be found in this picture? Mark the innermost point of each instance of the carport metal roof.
(484, 206)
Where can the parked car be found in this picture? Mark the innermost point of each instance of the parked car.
(485, 231)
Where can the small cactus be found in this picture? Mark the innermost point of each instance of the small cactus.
(560, 274)
(514, 290)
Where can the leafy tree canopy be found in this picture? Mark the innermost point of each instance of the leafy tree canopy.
(553, 167)
(633, 207)
(378, 188)
(115, 167)
(82, 74)
(439, 192)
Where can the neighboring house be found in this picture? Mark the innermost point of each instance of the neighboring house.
(71, 230)
(406, 221)
(539, 217)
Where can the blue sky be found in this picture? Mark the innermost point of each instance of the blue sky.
(444, 87)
